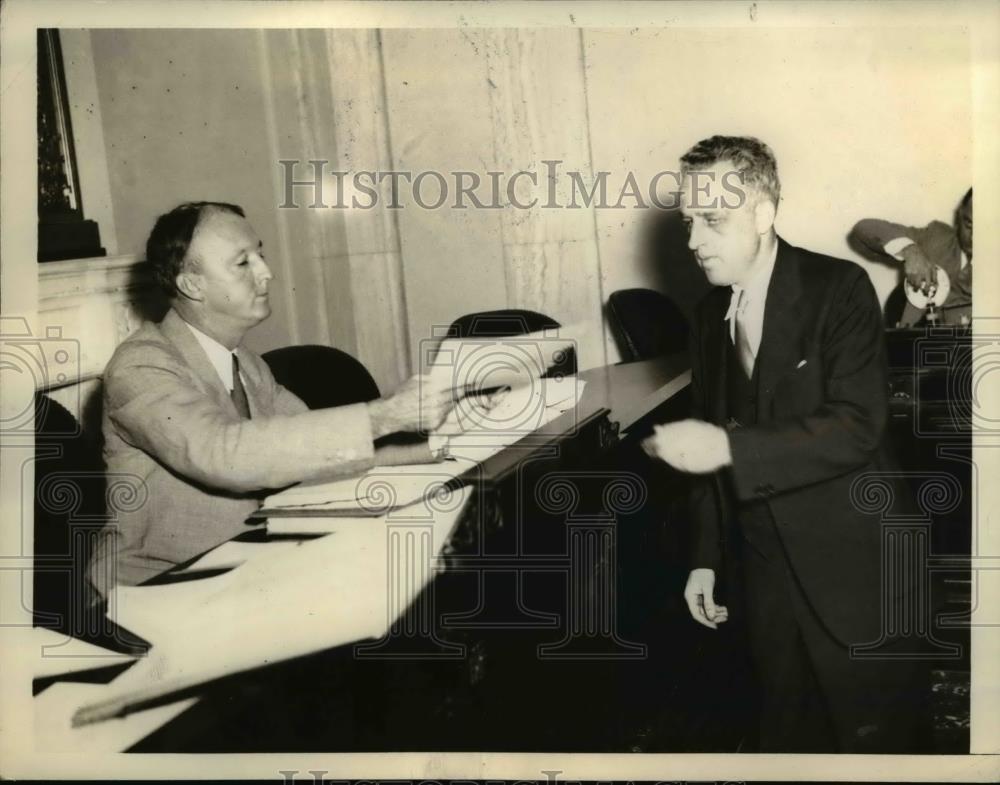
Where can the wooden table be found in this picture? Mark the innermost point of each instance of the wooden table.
(446, 676)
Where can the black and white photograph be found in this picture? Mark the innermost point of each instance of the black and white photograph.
(500, 390)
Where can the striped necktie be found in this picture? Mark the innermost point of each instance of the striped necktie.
(239, 394)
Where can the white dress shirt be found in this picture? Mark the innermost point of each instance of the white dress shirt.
(220, 357)
(753, 309)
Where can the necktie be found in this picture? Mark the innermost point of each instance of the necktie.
(743, 347)
(239, 394)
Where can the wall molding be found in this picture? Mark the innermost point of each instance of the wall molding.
(102, 274)
(86, 307)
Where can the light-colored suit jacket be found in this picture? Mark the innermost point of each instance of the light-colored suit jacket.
(198, 470)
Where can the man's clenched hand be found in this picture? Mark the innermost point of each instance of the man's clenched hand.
(919, 270)
(690, 446)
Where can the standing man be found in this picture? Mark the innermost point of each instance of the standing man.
(200, 420)
(921, 249)
(789, 388)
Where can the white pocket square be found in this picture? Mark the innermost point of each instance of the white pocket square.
(801, 364)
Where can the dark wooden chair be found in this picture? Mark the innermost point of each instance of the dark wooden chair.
(508, 323)
(71, 506)
(646, 324)
(322, 376)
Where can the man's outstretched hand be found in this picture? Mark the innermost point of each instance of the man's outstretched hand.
(418, 405)
(690, 446)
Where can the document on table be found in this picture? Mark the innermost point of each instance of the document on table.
(55, 653)
(482, 363)
(315, 594)
(346, 587)
(371, 494)
(475, 429)
(475, 432)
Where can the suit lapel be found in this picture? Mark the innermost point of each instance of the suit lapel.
(715, 348)
(782, 323)
(180, 335)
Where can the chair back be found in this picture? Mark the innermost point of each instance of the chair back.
(322, 376)
(894, 306)
(69, 512)
(646, 324)
(508, 323)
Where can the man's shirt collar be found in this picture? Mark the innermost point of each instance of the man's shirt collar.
(756, 287)
(220, 357)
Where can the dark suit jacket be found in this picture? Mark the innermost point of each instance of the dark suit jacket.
(821, 411)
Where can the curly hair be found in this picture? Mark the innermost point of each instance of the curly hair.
(748, 155)
(168, 243)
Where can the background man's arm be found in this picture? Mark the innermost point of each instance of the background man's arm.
(873, 235)
(906, 244)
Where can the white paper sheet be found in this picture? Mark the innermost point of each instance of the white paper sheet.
(475, 430)
(318, 594)
(55, 653)
(233, 554)
(522, 411)
(472, 364)
(316, 525)
(381, 488)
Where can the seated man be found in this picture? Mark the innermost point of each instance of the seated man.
(921, 250)
(198, 420)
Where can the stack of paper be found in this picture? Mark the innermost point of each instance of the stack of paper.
(468, 365)
(371, 494)
(475, 432)
(475, 429)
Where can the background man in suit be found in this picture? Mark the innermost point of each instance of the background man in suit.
(199, 419)
(789, 408)
(921, 249)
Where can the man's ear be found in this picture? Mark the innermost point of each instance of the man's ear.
(764, 213)
(189, 285)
